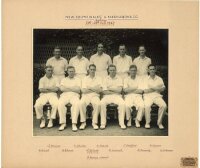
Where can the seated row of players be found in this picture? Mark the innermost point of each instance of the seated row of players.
(101, 60)
(139, 92)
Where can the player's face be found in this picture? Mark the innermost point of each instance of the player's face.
(92, 70)
(142, 50)
(152, 70)
(57, 53)
(100, 48)
(79, 50)
(49, 71)
(122, 50)
(112, 71)
(133, 71)
(71, 72)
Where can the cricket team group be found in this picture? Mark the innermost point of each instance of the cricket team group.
(100, 82)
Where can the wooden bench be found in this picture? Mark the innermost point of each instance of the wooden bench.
(111, 110)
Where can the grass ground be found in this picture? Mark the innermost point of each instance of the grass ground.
(112, 129)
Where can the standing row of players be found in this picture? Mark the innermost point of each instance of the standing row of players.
(140, 89)
(101, 60)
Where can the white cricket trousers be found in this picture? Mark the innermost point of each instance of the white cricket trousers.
(137, 101)
(148, 101)
(116, 99)
(42, 100)
(62, 110)
(85, 101)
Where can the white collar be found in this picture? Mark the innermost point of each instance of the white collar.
(149, 77)
(114, 77)
(58, 59)
(71, 78)
(132, 78)
(79, 58)
(99, 55)
(48, 78)
(143, 58)
(122, 57)
(92, 78)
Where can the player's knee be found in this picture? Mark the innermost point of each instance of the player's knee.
(82, 102)
(121, 103)
(96, 104)
(127, 104)
(102, 102)
(163, 105)
(54, 104)
(61, 104)
(147, 106)
(76, 104)
(141, 106)
(38, 105)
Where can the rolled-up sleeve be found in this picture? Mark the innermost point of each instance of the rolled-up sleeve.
(62, 83)
(78, 82)
(41, 83)
(57, 82)
(120, 82)
(125, 83)
(92, 59)
(84, 85)
(104, 84)
(48, 62)
(161, 83)
(109, 60)
(66, 64)
(115, 61)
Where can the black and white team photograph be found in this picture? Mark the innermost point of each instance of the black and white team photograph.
(100, 82)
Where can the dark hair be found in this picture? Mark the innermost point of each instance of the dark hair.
(142, 46)
(122, 45)
(92, 65)
(152, 65)
(133, 66)
(80, 46)
(70, 67)
(101, 44)
(48, 66)
(57, 47)
(112, 65)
